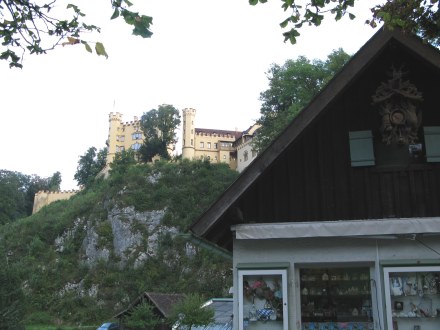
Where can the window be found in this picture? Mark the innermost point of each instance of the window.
(209, 145)
(254, 153)
(135, 146)
(136, 136)
(192, 142)
(224, 157)
(432, 143)
(215, 145)
(215, 158)
(120, 148)
(120, 138)
(202, 144)
(334, 297)
(246, 156)
(361, 148)
(262, 299)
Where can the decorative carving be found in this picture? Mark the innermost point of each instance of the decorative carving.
(398, 102)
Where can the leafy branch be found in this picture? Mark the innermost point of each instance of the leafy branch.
(26, 26)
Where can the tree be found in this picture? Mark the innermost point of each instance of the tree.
(12, 300)
(28, 26)
(18, 192)
(143, 317)
(189, 313)
(159, 128)
(89, 165)
(421, 17)
(291, 87)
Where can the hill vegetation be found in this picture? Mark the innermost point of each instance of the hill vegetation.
(83, 260)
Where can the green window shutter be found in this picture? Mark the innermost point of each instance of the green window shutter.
(361, 148)
(432, 143)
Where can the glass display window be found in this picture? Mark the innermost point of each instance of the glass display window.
(412, 297)
(263, 299)
(336, 298)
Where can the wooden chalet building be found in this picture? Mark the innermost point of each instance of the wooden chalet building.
(336, 225)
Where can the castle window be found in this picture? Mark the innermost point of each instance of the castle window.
(215, 145)
(209, 145)
(192, 142)
(136, 136)
(202, 144)
(224, 157)
(136, 146)
(120, 138)
(246, 156)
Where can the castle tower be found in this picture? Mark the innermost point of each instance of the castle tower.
(115, 122)
(188, 141)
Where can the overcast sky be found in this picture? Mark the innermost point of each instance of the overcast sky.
(208, 55)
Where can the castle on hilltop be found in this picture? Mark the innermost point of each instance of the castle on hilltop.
(216, 145)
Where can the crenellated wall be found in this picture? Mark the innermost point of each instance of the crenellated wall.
(44, 197)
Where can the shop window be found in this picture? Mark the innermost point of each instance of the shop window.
(432, 143)
(361, 148)
(262, 299)
(336, 298)
(412, 297)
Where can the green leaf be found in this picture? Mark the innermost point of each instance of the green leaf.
(129, 4)
(351, 16)
(284, 23)
(253, 2)
(115, 14)
(100, 50)
(88, 48)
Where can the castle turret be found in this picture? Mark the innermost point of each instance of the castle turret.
(188, 142)
(115, 122)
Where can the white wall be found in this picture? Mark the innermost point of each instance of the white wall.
(318, 251)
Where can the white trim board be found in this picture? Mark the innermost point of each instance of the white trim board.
(342, 228)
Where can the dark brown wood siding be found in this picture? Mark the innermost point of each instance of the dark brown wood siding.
(314, 180)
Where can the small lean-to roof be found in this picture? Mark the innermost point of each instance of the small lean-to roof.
(164, 302)
(214, 225)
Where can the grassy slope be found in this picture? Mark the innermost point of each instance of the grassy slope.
(184, 189)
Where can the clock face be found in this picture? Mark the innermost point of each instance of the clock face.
(397, 117)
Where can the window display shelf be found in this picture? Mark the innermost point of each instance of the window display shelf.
(335, 295)
(262, 299)
(412, 297)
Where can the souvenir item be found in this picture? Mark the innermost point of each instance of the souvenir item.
(398, 305)
(396, 286)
